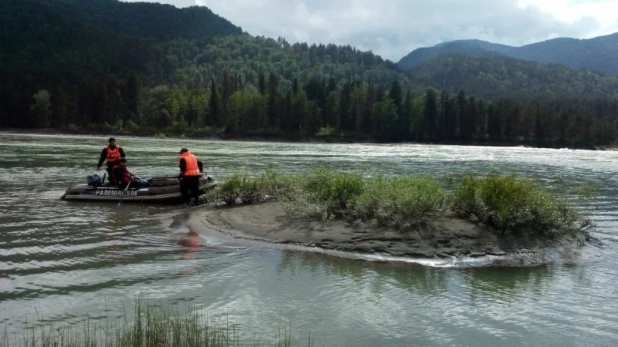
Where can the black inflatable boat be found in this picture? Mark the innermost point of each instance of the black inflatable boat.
(157, 190)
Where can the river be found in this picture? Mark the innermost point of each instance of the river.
(68, 262)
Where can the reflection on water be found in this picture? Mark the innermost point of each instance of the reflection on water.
(503, 284)
(415, 278)
(68, 262)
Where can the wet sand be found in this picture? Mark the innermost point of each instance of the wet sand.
(447, 237)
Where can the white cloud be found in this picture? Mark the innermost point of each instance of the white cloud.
(605, 12)
(393, 28)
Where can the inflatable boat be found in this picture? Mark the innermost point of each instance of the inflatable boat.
(152, 190)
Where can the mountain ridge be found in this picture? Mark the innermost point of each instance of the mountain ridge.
(594, 54)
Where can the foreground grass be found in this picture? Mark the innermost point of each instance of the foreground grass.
(152, 326)
(506, 204)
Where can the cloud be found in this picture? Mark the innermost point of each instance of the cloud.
(395, 27)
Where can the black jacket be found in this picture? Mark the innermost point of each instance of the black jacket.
(104, 156)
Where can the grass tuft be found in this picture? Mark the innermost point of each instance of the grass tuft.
(156, 326)
(241, 188)
(512, 205)
(401, 202)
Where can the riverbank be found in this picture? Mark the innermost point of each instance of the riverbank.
(291, 138)
(447, 236)
(261, 136)
(403, 217)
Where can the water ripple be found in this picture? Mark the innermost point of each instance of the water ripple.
(90, 259)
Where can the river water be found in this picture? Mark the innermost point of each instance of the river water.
(70, 262)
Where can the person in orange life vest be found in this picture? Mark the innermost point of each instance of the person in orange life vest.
(112, 154)
(121, 176)
(191, 170)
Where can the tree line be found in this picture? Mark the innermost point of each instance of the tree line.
(325, 108)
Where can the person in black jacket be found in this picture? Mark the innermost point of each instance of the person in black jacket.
(191, 169)
(112, 154)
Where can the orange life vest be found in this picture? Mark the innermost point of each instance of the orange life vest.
(192, 168)
(125, 178)
(113, 155)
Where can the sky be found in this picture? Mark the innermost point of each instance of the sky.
(393, 28)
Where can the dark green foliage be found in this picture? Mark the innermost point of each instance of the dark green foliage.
(215, 109)
(516, 206)
(396, 95)
(499, 77)
(334, 191)
(400, 203)
(245, 189)
(229, 191)
(430, 117)
(248, 190)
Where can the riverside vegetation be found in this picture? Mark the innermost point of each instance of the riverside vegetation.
(152, 326)
(506, 205)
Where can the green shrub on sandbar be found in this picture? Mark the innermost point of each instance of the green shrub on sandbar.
(239, 188)
(513, 205)
(335, 192)
(398, 202)
(507, 204)
(248, 190)
(401, 202)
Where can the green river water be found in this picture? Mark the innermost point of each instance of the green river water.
(67, 262)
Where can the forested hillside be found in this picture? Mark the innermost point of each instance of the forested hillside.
(496, 77)
(88, 55)
(109, 66)
(71, 47)
(597, 54)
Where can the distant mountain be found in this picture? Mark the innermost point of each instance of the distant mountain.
(474, 48)
(500, 76)
(61, 43)
(597, 54)
(140, 19)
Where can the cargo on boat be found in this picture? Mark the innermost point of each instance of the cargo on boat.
(153, 190)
